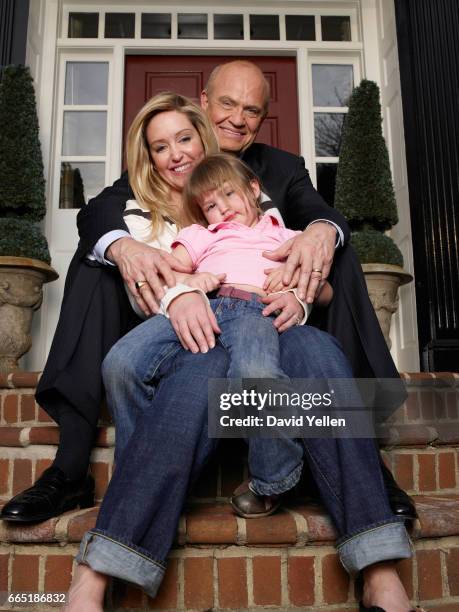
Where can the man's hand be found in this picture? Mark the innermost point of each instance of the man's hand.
(273, 282)
(312, 250)
(139, 262)
(194, 322)
(291, 310)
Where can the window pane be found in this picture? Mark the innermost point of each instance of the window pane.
(80, 181)
(192, 25)
(300, 27)
(264, 27)
(326, 181)
(84, 133)
(83, 25)
(228, 27)
(327, 132)
(336, 28)
(332, 84)
(156, 25)
(119, 25)
(86, 83)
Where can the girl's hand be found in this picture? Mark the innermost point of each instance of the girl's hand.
(206, 281)
(274, 283)
(291, 310)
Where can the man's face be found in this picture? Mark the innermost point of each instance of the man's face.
(235, 105)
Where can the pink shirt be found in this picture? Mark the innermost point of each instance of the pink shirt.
(235, 249)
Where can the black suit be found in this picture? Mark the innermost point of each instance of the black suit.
(95, 310)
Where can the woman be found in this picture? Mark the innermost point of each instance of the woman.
(162, 440)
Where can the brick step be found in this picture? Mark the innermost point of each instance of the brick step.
(418, 470)
(284, 562)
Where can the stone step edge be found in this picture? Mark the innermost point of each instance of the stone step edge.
(23, 379)
(216, 524)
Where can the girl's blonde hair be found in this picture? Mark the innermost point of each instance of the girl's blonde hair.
(150, 189)
(216, 172)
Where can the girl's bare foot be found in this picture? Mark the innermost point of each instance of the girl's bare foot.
(86, 591)
(383, 588)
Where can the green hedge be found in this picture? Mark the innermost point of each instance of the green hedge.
(23, 238)
(373, 247)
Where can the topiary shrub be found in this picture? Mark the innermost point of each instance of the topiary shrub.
(364, 190)
(22, 185)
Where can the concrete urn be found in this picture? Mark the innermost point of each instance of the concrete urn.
(21, 293)
(383, 281)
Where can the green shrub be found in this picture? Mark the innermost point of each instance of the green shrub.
(364, 190)
(22, 184)
(373, 247)
(23, 238)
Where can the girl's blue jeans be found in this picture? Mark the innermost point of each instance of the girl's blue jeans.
(158, 394)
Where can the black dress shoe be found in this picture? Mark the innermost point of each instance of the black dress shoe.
(248, 504)
(51, 495)
(400, 502)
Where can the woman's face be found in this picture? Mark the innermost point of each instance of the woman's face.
(175, 147)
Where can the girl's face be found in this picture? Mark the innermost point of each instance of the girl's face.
(175, 147)
(229, 205)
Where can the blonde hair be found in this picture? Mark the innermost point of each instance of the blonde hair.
(150, 189)
(214, 172)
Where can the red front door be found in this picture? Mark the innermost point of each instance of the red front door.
(147, 75)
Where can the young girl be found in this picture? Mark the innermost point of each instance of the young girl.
(224, 245)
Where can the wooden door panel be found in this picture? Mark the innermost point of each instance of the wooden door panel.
(146, 75)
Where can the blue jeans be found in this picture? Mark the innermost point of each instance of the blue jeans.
(168, 445)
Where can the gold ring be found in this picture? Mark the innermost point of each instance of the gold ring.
(140, 284)
(317, 270)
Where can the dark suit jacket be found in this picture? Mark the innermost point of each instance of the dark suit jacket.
(95, 311)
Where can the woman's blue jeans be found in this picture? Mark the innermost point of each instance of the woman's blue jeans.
(160, 404)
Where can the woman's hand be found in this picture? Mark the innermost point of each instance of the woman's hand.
(274, 283)
(139, 262)
(194, 322)
(206, 281)
(291, 310)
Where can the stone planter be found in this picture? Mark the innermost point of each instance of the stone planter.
(383, 281)
(21, 281)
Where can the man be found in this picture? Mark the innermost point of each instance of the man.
(95, 310)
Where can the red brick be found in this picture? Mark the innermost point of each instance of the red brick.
(446, 471)
(10, 436)
(199, 582)
(41, 466)
(452, 564)
(4, 572)
(4, 473)
(438, 516)
(429, 574)
(412, 403)
(441, 407)
(43, 416)
(427, 479)
(335, 581)
(403, 468)
(427, 398)
(211, 524)
(100, 472)
(25, 573)
(82, 523)
(10, 409)
(301, 580)
(44, 435)
(166, 599)
(320, 527)
(58, 573)
(405, 571)
(279, 528)
(22, 379)
(27, 407)
(451, 402)
(267, 581)
(232, 583)
(35, 532)
(22, 475)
